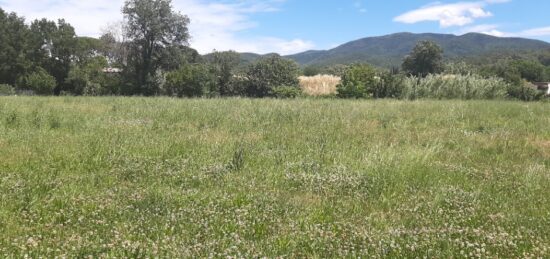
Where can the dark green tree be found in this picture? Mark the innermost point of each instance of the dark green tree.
(15, 46)
(426, 58)
(312, 70)
(530, 70)
(225, 64)
(194, 80)
(270, 72)
(152, 28)
(55, 45)
(87, 78)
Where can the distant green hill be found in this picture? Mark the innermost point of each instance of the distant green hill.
(389, 50)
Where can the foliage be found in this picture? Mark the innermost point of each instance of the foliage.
(55, 47)
(336, 70)
(225, 64)
(426, 58)
(455, 87)
(524, 92)
(153, 28)
(40, 82)
(460, 68)
(358, 82)
(286, 92)
(194, 80)
(312, 71)
(270, 72)
(88, 78)
(176, 56)
(15, 46)
(388, 85)
(6, 89)
(530, 70)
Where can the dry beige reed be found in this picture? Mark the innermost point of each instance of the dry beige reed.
(319, 85)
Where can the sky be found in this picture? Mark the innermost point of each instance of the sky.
(292, 26)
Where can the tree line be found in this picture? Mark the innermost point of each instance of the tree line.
(148, 54)
(424, 74)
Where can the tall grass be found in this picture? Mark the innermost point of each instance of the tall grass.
(239, 178)
(319, 85)
(466, 87)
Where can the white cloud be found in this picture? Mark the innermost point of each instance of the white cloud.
(214, 25)
(493, 29)
(489, 29)
(535, 32)
(448, 15)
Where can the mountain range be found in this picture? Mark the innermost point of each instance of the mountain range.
(389, 50)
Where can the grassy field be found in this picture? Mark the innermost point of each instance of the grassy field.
(137, 177)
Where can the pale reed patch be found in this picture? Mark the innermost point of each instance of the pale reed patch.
(319, 85)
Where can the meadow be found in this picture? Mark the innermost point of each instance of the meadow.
(318, 178)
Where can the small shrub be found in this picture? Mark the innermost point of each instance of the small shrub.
(357, 81)
(524, 92)
(190, 81)
(6, 90)
(311, 71)
(40, 82)
(388, 85)
(285, 92)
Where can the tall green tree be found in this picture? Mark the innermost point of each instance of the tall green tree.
(15, 45)
(269, 73)
(225, 64)
(55, 46)
(426, 58)
(152, 28)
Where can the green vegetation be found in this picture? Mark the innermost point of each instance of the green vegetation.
(159, 177)
(270, 72)
(190, 81)
(6, 89)
(426, 58)
(457, 87)
(149, 55)
(39, 82)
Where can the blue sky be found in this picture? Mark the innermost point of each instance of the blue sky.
(290, 26)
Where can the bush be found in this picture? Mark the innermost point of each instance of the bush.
(388, 85)
(285, 92)
(88, 78)
(190, 81)
(40, 82)
(356, 82)
(311, 71)
(6, 90)
(455, 87)
(271, 72)
(524, 92)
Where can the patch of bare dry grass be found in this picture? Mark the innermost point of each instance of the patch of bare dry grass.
(319, 85)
